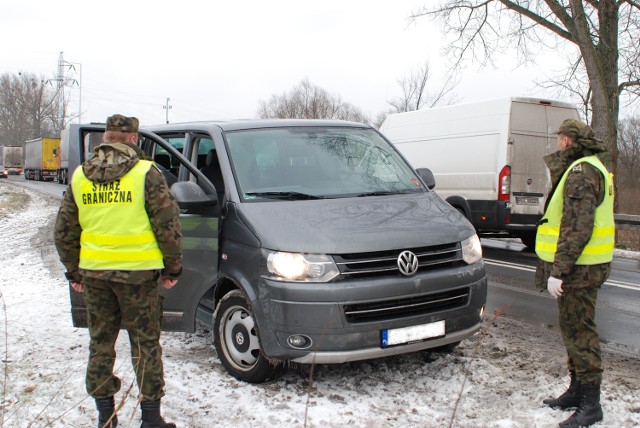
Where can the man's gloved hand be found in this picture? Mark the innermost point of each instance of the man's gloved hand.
(554, 285)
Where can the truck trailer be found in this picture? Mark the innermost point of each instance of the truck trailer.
(486, 158)
(41, 159)
(11, 158)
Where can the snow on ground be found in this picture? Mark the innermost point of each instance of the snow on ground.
(496, 379)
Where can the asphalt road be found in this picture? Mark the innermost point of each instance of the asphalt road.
(512, 292)
(511, 288)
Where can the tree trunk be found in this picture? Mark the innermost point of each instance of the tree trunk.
(601, 63)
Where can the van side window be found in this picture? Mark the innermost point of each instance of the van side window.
(166, 164)
(91, 141)
(204, 145)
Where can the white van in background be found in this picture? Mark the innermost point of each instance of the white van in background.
(486, 158)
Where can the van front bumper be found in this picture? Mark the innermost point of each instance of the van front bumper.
(328, 357)
(320, 313)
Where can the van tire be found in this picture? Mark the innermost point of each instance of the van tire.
(237, 343)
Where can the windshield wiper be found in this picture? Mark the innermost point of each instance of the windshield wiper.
(377, 193)
(288, 196)
(386, 192)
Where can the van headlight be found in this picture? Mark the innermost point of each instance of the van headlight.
(299, 267)
(472, 250)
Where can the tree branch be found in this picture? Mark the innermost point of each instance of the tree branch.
(625, 85)
(541, 20)
(633, 3)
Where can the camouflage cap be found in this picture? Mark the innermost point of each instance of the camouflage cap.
(574, 128)
(121, 123)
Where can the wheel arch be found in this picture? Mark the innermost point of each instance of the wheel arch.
(460, 203)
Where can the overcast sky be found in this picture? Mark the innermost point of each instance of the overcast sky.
(217, 59)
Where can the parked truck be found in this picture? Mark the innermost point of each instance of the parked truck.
(63, 158)
(41, 159)
(486, 158)
(11, 158)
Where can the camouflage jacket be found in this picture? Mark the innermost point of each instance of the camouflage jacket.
(582, 194)
(109, 162)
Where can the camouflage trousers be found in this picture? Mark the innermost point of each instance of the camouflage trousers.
(138, 308)
(577, 309)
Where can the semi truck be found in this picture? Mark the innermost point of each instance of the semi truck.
(41, 159)
(11, 158)
(486, 157)
(63, 158)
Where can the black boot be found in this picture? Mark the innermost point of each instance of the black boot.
(570, 398)
(107, 417)
(151, 416)
(589, 411)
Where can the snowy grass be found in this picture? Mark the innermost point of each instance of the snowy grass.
(498, 378)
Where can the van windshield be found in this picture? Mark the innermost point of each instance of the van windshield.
(316, 163)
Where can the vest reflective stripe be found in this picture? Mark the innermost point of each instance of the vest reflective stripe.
(600, 247)
(116, 232)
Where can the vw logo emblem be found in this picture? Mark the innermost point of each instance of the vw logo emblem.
(239, 338)
(407, 263)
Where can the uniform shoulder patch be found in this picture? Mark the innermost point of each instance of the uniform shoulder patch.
(577, 168)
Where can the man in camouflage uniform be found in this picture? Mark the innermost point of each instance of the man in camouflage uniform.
(578, 249)
(116, 255)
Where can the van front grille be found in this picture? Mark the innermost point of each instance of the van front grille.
(383, 263)
(416, 305)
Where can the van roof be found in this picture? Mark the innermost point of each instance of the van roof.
(235, 125)
(480, 110)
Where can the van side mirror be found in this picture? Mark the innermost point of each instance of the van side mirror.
(427, 177)
(189, 195)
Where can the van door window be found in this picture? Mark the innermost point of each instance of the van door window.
(91, 141)
(209, 164)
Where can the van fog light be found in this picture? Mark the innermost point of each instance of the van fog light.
(299, 341)
(316, 271)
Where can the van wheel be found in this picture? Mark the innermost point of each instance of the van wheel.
(237, 343)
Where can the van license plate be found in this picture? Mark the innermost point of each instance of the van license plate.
(527, 200)
(414, 333)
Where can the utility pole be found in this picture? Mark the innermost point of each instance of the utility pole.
(167, 107)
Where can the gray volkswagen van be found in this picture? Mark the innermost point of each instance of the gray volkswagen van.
(308, 241)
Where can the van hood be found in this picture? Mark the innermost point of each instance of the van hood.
(365, 224)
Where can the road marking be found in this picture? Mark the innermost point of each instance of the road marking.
(611, 282)
(511, 265)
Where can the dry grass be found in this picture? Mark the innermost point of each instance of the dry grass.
(629, 203)
(628, 240)
(11, 201)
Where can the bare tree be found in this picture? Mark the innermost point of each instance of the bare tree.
(416, 94)
(629, 162)
(308, 101)
(603, 34)
(28, 108)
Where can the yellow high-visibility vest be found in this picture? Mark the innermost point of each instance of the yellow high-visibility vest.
(116, 232)
(599, 249)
